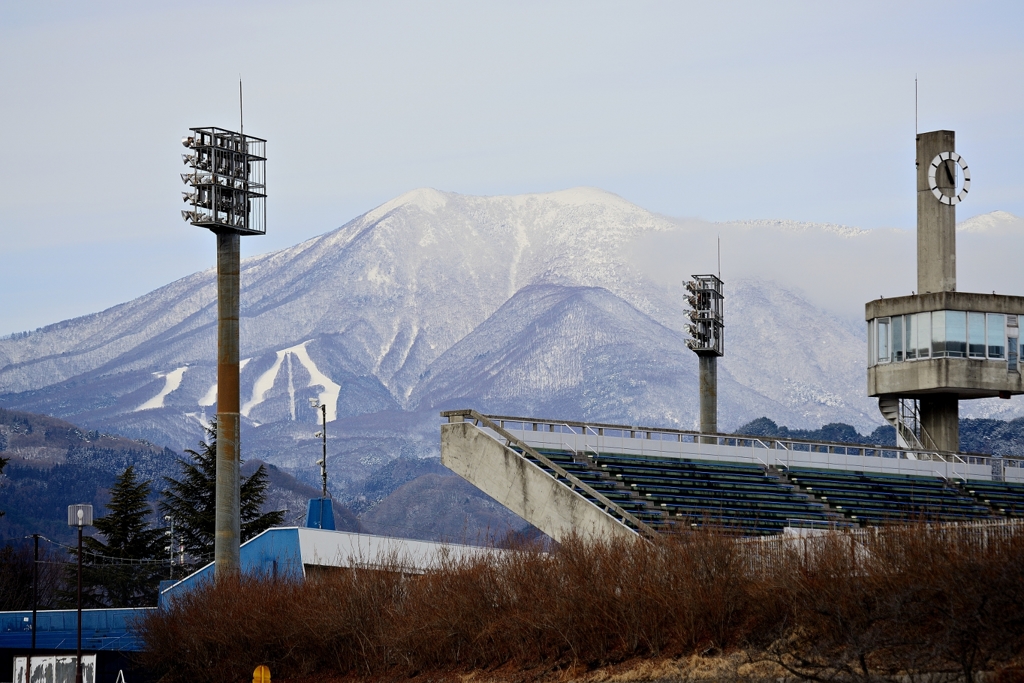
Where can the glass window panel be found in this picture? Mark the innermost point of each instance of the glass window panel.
(996, 335)
(897, 338)
(938, 334)
(871, 343)
(956, 334)
(976, 335)
(924, 328)
(882, 340)
(1011, 353)
(911, 322)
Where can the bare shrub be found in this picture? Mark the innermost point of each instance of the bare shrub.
(841, 607)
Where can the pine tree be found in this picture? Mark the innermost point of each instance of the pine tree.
(121, 566)
(191, 501)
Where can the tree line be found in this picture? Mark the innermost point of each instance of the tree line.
(137, 546)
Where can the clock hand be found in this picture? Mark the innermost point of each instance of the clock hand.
(949, 173)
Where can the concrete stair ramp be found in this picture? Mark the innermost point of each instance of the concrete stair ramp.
(530, 484)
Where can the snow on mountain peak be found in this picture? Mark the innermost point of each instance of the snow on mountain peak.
(802, 226)
(994, 223)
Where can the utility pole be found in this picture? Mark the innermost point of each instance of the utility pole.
(320, 513)
(170, 545)
(35, 605)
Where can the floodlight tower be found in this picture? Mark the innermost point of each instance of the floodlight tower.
(707, 326)
(937, 347)
(227, 195)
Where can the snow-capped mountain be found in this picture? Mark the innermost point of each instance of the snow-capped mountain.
(566, 304)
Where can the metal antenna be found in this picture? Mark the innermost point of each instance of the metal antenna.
(915, 104)
(241, 120)
(719, 257)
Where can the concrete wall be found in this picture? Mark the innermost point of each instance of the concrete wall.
(965, 377)
(948, 301)
(936, 222)
(522, 487)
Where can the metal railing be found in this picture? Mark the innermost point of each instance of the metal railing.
(764, 451)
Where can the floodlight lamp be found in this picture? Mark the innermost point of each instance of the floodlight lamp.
(320, 462)
(314, 403)
(229, 167)
(318, 434)
(80, 515)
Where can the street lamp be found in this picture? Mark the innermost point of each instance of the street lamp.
(79, 516)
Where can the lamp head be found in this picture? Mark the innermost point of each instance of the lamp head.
(80, 515)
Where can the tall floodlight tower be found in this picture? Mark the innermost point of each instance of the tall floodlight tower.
(227, 195)
(937, 347)
(706, 329)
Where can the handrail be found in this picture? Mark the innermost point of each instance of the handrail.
(778, 443)
(512, 440)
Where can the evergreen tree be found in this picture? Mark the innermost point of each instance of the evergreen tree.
(121, 566)
(191, 501)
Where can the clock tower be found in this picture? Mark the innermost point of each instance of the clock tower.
(932, 349)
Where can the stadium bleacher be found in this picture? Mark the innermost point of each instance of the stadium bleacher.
(1004, 497)
(871, 498)
(755, 500)
(736, 495)
(671, 490)
(668, 479)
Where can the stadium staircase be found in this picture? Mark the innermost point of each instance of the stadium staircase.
(559, 476)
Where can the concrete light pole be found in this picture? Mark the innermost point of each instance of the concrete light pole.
(706, 329)
(227, 195)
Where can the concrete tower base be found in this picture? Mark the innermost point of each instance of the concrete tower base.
(940, 421)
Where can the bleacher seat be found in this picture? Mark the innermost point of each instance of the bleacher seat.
(733, 495)
(1004, 497)
(876, 498)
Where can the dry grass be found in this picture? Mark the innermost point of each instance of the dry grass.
(700, 606)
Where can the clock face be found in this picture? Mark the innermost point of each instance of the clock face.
(937, 163)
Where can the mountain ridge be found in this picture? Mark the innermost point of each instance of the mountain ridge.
(433, 299)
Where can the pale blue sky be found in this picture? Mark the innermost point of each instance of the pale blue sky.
(721, 111)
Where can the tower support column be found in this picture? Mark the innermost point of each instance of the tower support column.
(940, 421)
(708, 393)
(227, 525)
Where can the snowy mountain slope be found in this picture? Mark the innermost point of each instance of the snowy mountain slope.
(400, 285)
(819, 360)
(568, 302)
(578, 353)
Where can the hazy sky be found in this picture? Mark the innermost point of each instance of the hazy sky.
(718, 111)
